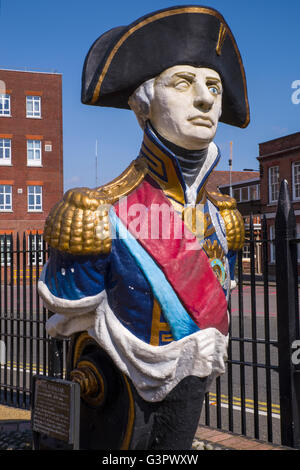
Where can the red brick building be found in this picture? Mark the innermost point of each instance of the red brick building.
(221, 179)
(31, 149)
(258, 195)
(279, 159)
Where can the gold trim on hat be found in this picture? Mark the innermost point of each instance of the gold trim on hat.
(158, 16)
(221, 38)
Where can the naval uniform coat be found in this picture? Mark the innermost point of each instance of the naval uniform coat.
(145, 265)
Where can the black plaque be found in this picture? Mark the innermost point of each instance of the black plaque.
(55, 413)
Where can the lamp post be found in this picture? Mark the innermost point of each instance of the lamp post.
(96, 169)
(230, 170)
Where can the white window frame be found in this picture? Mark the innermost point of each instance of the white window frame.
(244, 187)
(257, 186)
(31, 191)
(6, 191)
(296, 164)
(8, 249)
(233, 191)
(5, 98)
(249, 193)
(36, 244)
(33, 100)
(272, 184)
(36, 147)
(246, 251)
(5, 144)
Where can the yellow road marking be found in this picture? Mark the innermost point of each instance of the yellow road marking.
(249, 403)
(20, 367)
(224, 400)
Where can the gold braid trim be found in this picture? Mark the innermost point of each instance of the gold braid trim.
(234, 224)
(222, 201)
(79, 224)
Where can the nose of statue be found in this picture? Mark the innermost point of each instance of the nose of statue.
(203, 98)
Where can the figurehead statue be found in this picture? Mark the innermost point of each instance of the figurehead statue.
(140, 269)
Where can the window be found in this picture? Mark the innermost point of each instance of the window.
(254, 192)
(33, 107)
(34, 153)
(237, 194)
(35, 250)
(272, 244)
(273, 183)
(296, 180)
(5, 249)
(5, 197)
(34, 198)
(5, 151)
(4, 105)
(245, 194)
(246, 251)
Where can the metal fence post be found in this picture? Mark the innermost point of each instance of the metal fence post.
(287, 318)
(55, 352)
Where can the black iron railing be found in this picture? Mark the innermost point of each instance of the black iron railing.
(25, 343)
(246, 399)
(288, 317)
(260, 394)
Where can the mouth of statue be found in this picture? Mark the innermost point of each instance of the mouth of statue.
(200, 121)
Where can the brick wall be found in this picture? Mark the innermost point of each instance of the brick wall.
(47, 129)
(280, 152)
(277, 145)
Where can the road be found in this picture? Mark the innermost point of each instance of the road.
(241, 381)
(259, 301)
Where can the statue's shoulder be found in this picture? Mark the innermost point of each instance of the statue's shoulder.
(234, 223)
(222, 201)
(79, 223)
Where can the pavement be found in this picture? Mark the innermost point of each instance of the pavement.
(15, 434)
(15, 429)
(231, 441)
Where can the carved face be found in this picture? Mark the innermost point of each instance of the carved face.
(187, 105)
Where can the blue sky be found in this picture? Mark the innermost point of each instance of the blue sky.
(55, 35)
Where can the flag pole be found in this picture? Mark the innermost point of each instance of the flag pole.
(230, 170)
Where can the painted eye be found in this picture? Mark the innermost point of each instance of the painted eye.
(214, 90)
(182, 85)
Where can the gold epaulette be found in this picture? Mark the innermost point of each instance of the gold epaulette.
(234, 224)
(79, 224)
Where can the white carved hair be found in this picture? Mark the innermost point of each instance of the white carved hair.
(140, 101)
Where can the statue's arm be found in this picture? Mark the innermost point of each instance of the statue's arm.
(72, 287)
(72, 283)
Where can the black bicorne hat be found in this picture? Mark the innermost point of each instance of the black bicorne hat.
(123, 58)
